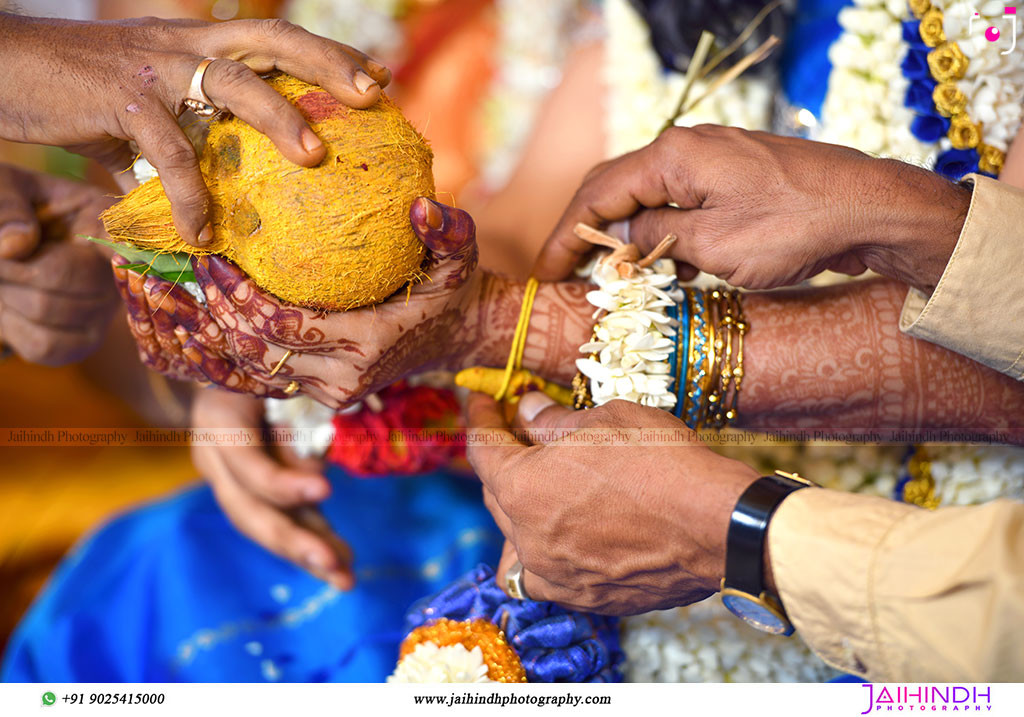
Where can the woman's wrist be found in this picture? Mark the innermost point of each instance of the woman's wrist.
(559, 324)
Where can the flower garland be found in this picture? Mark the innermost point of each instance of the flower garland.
(634, 337)
(408, 428)
(930, 89)
(518, 640)
(430, 664)
(864, 105)
(640, 94)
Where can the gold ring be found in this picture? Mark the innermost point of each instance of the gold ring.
(292, 388)
(280, 364)
(196, 99)
(514, 582)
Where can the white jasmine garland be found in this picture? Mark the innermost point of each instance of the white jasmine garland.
(704, 642)
(430, 664)
(993, 82)
(641, 95)
(971, 475)
(863, 106)
(634, 336)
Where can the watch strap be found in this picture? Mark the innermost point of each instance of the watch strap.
(748, 530)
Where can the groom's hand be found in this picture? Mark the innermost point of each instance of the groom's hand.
(616, 510)
(763, 211)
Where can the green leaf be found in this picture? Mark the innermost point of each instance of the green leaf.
(172, 266)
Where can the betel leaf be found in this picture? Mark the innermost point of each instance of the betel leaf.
(171, 266)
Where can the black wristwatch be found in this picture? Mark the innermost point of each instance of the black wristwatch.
(743, 589)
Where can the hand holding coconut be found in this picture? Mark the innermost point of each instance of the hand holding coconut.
(93, 87)
(244, 332)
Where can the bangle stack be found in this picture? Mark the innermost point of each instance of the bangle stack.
(659, 345)
(709, 391)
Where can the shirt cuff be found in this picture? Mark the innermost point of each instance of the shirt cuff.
(980, 287)
(822, 546)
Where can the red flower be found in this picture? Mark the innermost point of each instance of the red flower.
(418, 430)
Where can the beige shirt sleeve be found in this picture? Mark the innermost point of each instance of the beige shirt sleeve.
(978, 304)
(897, 593)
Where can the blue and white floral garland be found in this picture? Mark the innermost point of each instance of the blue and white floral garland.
(928, 86)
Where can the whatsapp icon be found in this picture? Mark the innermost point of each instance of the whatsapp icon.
(49, 698)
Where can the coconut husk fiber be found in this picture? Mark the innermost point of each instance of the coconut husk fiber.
(335, 236)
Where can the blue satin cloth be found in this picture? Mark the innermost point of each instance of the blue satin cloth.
(554, 644)
(171, 592)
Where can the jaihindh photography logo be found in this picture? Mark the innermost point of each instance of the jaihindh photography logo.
(928, 698)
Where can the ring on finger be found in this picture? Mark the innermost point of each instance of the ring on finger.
(514, 582)
(196, 99)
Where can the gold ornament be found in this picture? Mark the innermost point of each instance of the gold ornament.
(920, 7)
(920, 489)
(991, 159)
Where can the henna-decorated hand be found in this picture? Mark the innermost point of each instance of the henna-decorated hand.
(267, 492)
(338, 357)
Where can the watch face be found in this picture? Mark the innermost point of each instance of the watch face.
(755, 614)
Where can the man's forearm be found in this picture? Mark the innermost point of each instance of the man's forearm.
(909, 219)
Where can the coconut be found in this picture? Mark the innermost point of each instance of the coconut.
(335, 236)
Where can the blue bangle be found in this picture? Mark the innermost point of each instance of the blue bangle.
(699, 356)
(680, 356)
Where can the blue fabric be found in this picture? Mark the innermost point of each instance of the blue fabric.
(805, 66)
(554, 644)
(171, 592)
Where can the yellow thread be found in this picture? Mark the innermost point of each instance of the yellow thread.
(515, 356)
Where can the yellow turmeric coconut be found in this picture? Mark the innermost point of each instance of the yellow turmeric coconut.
(335, 236)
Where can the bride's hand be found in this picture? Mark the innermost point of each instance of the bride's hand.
(267, 492)
(337, 357)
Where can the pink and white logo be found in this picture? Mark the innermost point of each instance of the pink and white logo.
(928, 698)
(992, 34)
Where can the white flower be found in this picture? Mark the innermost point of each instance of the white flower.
(309, 423)
(430, 664)
(634, 336)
